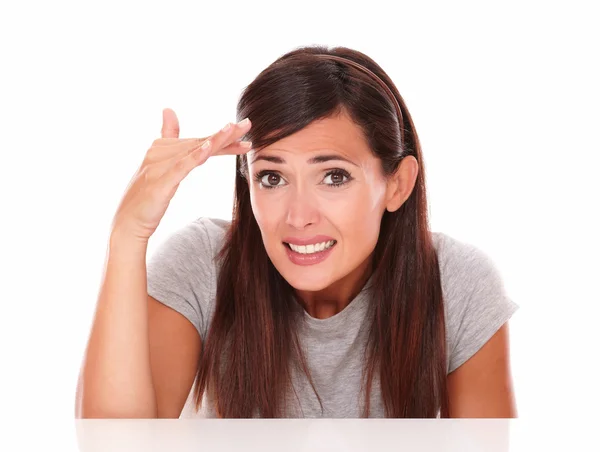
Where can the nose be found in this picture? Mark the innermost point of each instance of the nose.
(302, 209)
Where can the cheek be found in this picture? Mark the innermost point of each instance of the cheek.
(358, 219)
(266, 212)
(361, 204)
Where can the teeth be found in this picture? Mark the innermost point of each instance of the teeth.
(310, 249)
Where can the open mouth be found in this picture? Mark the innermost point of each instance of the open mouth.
(311, 249)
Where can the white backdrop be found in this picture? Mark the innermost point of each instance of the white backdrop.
(504, 97)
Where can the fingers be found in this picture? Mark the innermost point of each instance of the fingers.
(223, 142)
(237, 147)
(227, 136)
(170, 126)
(180, 167)
(168, 148)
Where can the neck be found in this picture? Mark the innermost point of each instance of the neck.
(325, 303)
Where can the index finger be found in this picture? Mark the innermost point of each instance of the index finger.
(171, 141)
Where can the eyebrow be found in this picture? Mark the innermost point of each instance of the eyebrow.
(312, 161)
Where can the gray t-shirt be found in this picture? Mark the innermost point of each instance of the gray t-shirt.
(182, 274)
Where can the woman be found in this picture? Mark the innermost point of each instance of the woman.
(326, 295)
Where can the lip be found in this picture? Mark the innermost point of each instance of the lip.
(308, 259)
(307, 241)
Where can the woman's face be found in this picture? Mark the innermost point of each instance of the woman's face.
(318, 197)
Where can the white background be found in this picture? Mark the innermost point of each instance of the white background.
(504, 97)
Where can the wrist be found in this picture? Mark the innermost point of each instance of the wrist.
(123, 240)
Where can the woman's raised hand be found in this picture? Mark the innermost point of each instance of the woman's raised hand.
(168, 161)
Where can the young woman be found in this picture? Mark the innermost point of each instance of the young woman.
(326, 295)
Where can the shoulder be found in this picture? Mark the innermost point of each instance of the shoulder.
(182, 271)
(476, 302)
(215, 228)
(464, 267)
(204, 230)
(452, 251)
(201, 237)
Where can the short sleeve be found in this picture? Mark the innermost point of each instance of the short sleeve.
(476, 302)
(181, 273)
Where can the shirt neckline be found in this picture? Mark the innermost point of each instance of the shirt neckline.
(356, 306)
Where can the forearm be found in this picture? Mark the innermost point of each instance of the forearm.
(116, 380)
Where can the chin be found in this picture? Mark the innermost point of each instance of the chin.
(307, 284)
(310, 278)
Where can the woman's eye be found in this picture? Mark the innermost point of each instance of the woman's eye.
(336, 178)
(270, 180)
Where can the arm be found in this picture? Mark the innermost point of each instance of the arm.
(482, 386)
(141, 356)
(174, 355)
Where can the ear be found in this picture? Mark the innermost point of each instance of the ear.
(401, 183)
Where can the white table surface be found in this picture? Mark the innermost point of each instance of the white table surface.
(295, 435)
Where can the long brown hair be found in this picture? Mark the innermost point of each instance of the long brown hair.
(252, 339)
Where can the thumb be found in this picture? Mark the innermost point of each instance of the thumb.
(170, 125)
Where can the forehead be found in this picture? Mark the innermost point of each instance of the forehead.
(339, 134)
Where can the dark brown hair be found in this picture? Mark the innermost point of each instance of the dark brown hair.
(252, 341)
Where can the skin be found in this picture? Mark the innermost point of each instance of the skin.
(482, 387)
(304, 203)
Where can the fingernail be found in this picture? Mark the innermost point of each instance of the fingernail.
(205, 145)
(226, 128)
(246, 144)
(243, 122)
